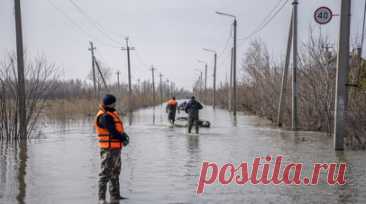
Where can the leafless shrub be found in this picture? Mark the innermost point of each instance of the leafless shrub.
(259, 88)
(40, 77)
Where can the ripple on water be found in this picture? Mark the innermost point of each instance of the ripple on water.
(162, 164)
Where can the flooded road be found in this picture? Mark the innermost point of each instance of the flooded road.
(162, 164)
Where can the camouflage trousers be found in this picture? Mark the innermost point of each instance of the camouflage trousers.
(110, 170)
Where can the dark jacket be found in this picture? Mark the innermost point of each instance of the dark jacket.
(106, 121)
(192, 108)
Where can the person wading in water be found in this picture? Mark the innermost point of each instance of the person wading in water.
(192, 108)
(112, 138)
(171, 109)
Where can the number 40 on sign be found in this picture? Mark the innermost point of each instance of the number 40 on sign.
(323, 15)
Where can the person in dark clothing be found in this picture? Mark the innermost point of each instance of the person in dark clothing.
(182, 106)
(171, 109)
(192, 108)
(112, 138)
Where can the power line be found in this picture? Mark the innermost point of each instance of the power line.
(77, 26)
(139, 59)
(268, 16)
(267, 19)
(227, 42)
(265, 23)
(97, 25)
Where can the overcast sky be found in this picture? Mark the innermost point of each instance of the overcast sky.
(168, 34)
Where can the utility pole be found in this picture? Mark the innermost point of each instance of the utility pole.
(342, 72)
(214, 76)
(234, 70)
(101, 74)
(284, 75)
(118, 86)
(161, 88)
(21, 77)
(214, 83)
(138, 85)
(168, 87)
(201, 81)
(91, 49)
(205, 78)
(128, 48)
(234, 59)
(204, 97)
(172, 88)
(153, 83)
(294, 70)
(231, 81)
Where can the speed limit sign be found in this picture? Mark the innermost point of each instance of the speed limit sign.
(323, 15)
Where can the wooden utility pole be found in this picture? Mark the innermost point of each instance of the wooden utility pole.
(172, 88)
(21, 78)
(342, 72)
(139, 85)
(100, 73)
(91, 49)
(284, 75)
(294, 70)
(205, 78)
(128, 48)
(168, 87)
(161, 88)
(118, 85)
(201, 81)
(234, 70)
(153, 83)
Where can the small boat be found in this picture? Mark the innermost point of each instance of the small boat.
(183, 122)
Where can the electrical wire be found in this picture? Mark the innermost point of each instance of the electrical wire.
(140, 60)
(97, 25)
(78, 26)
(267, 22)
(227, 43)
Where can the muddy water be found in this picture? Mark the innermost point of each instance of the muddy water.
(162, 164)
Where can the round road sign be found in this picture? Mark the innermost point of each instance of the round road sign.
(323, 15)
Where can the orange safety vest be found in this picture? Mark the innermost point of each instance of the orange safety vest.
(172, 103)
(103, 135)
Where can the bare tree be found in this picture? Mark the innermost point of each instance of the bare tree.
(40, 77)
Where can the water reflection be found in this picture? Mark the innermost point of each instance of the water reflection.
(130, 118)
(153, 115)
(193, 143)
(3, 167)
(345, 192)
(162, 159)
(235, 120)
(22, 186)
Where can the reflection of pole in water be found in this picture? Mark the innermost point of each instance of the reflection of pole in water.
(3, 161)
(130, 118)
(345, 191)
(23, 156)
(235, 120)
(154, 115)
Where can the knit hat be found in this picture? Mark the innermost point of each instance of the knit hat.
(109, 99)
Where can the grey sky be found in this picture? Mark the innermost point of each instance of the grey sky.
(169, 34)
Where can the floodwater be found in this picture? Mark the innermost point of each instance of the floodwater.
(162, 164)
